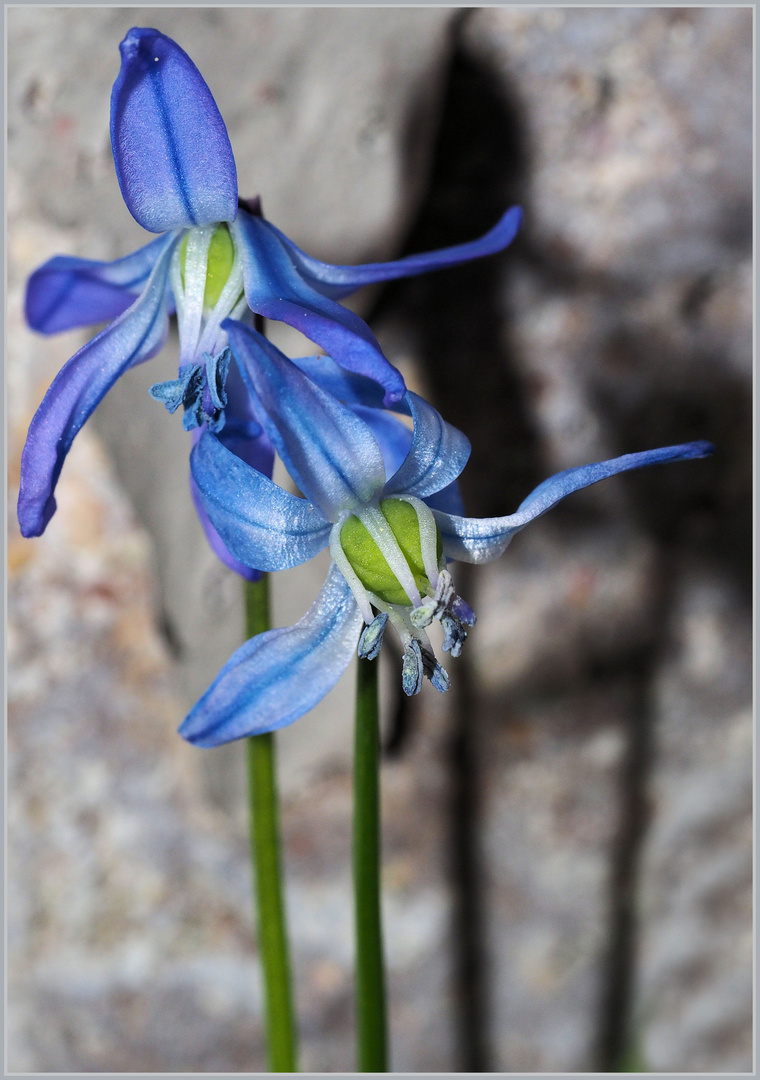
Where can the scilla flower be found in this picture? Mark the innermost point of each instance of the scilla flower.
(217, 258)
(390, 534)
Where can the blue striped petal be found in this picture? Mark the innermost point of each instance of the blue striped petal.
(66, 292)
(339, 281)
(276, 288)
(436, 457)
(479, 540)
(279, 675)
(172, 153)
(80, 385)
(215, 541)
(331, 454)
(260, 524)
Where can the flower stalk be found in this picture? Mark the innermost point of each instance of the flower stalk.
(265, 855)
(371, 1024)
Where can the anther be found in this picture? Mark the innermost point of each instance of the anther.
(372, 637)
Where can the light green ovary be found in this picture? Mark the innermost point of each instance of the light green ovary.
(221, 255)
(369, 563)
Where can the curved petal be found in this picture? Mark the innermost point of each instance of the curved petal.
(66, 292)
(276, 288)
(80, 385)
(330, 453)
(172, 153)
(393, 437)
(448, 500)
(479, 540)
(260, 524)
(346, 387)
(279, 675)
(215, 541)
(436, 457)
(339, 281)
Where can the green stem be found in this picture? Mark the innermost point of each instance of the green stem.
(265, 853)
(372, 1036)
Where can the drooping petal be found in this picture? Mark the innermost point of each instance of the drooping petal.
(436, 457)
(260, 524)
(215, 541)
(479, 540)
(338, 281)
(278, 676)
(66, 292)
(80, 385)
(346, 387)
(330, 453)
(276, 288)
(172, 153)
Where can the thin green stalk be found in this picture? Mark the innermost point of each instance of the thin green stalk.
(371, 1025)
(265, 853)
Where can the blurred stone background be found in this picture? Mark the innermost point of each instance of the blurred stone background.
(567, 834)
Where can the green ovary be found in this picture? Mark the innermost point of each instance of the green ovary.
(369, 563)
(221, 255)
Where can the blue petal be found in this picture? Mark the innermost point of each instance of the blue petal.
(393, 437)
(348, 388)
(479, 540)
(279, 675)
(260, 524)
(449, 500)
(80, 385)
(330, 453)
(339, 281)
(276, 288)
(66, 292)
(436, 457)
(215, 541)
(172, 153)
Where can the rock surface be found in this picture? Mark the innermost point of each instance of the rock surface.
(593, 777)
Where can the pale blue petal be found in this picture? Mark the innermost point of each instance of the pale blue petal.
(339, 281)
(346, 387)
(80, 385)
(172, 153)
(278, 676)
(66, 292)
(215, 541)
(479, 540)
(330, 453)
(436, 457)
(393, 437)
(260, 524)
(276, 288)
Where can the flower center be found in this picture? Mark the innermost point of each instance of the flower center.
(392, 556)
(371, 565)
(219, 262)
(200, 389)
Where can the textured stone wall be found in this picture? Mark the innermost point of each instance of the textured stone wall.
(567, 834)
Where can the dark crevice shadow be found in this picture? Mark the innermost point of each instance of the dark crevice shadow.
(456, 320)
(459, 326)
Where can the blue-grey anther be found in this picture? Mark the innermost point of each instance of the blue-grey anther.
(455, 634)
(372, 637)
(452, 612)
(412, 670)
(438, 675)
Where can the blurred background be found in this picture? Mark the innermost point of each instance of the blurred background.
(567, 833)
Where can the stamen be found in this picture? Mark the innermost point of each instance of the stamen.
(438, 676)
(412, 669)
(372, 637)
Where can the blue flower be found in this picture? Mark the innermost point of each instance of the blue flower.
(391, 526)
(217, 258)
